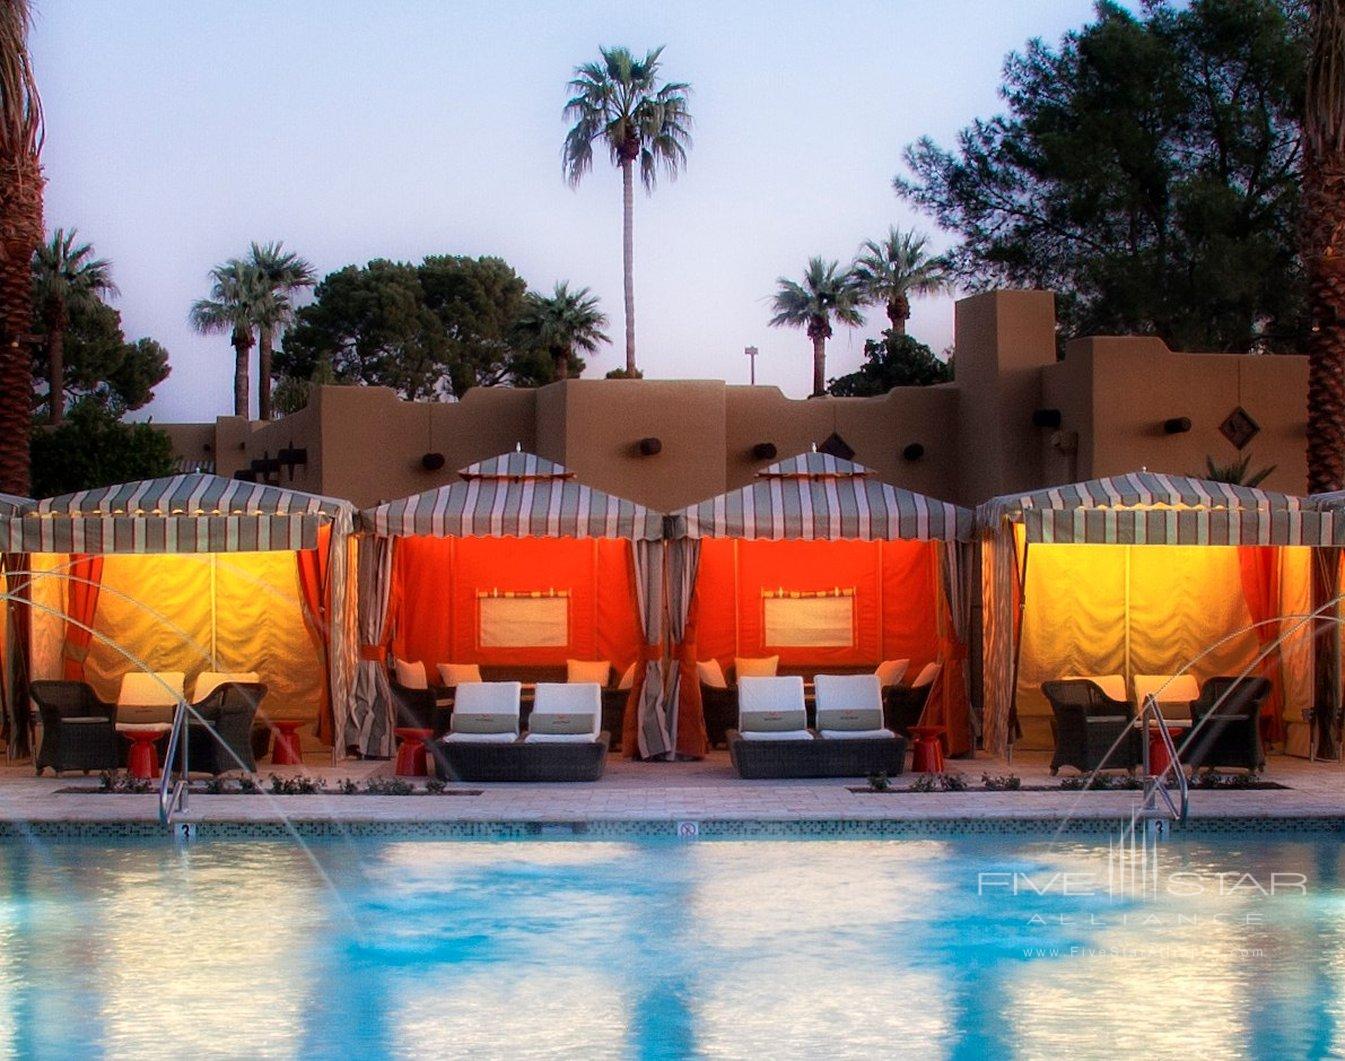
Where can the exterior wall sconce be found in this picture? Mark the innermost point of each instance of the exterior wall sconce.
(1177, 425)
(649, 447)
(432, 462)
(764, 451)
(1046, 418)
(913, 452)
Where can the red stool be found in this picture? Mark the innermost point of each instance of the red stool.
(142, 760)
(411, 752)
(926, 749)
(1159, 760)
(285, 746)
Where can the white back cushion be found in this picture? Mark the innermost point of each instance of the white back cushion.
(759, 667)
(486, 707)
(846, 700)
(891, 671)
(455, 674)
(628, 679)
(711, 673)
(1114, 685)
(771, 704)
(209, 680)
(572, 698)
(927, 674)
(410, 675)
(139, 689)
(585, 670)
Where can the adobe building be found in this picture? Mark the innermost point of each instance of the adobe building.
(1015, 419)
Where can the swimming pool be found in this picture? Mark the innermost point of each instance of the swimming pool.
(973, 946)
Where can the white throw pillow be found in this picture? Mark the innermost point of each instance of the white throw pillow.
(455, 674)
(410, 675)
(628, 679)
(765, 667)
(891, 671)
(711, 674)
(585, 670)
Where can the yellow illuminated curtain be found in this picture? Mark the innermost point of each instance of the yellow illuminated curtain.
(227, 612)
(1151, 609)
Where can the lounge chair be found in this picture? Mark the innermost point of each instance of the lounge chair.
(208, 681)
(79, 731)
(850, 707)
(484, 744)
(1226, 725)
(904, 705)
(719, 702)
(412, 698)
(1087, 723)
(771, 740)
(220, 733)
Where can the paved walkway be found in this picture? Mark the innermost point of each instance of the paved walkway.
(663, 792)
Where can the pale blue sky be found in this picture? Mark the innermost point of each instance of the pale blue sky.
(355, 129)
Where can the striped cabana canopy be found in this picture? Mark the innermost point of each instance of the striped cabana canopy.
(516, 495)
(1152, 508)
(13, 506)
(816, 496)
(194, 513)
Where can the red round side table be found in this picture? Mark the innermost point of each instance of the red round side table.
(142, 761)
(411, 751)
(926, 749)
(285, 745)
(1159, 760)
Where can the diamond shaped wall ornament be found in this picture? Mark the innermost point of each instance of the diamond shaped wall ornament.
(1239, 427)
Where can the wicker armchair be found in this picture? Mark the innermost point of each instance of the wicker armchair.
(1226, 725)
(1087, 723)
(79, 731)
(414, 707)
(903, 705)
(614, 712)
(720, 710)
(221, 739)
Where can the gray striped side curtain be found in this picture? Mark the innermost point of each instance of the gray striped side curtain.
(684, 563)
(343, 630)
(370, 720)
(999, 580)
(653, 737)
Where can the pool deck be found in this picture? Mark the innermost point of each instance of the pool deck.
(672, 792)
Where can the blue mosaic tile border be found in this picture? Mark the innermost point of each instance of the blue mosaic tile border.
(705, 829)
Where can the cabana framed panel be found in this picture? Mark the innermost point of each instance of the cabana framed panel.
(195, 572)
(1145, 573)
(898, 555)
(514, 528)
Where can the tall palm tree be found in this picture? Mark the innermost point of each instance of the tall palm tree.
(827, 291)
(20, 233)
(891, 270)
(237, 300)
(282, 274)
(66, 276)
(620, 102)
(562, 323)
(1324, 243)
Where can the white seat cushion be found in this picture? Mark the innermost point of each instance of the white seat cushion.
(410, 675)
(856, 734)
(781, 734)
(559, 738)
(139, 689)
(208, 681)
(455, 674)
(480, 738)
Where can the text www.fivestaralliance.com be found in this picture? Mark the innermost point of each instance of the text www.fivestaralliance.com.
(1126, 952)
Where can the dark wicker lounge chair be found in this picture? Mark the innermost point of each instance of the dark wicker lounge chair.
(222, 738)
(819, 757)
(521, 760)
(904, 705)
(720, 709)
(1226, 725)
(614, 712)
(79, 731)
(415, 707)
(1087, 723)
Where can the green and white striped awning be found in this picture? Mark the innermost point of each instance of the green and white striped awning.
(516, 495)
(194, 513)
(816, 496)
(1150, 508)
(12, 506)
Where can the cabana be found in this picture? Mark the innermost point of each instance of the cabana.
(1145, 574)
(192, 573)
(517, 569)
(822, 565)
(13, 631)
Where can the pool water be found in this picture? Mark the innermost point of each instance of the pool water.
(971, 947)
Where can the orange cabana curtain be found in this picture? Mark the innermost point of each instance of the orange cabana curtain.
(312, 567)
(1261, 588)
(85, 580)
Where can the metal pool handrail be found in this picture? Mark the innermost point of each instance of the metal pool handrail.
(1154, 786)
(173, 794)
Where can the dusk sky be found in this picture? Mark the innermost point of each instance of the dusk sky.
(178, 132)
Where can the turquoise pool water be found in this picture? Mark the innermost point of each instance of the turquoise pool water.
(783, 948)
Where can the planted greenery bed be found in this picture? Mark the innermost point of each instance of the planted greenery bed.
(123, 784)
(881, 784)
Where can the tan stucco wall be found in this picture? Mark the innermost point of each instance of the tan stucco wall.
(1113, 394)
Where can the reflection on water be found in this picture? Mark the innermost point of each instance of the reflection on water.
(723, 949)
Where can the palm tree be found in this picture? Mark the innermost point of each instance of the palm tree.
(282, 274)
(890, 271)
(66, 276)
(20, 233)
(562, 323)
(1324, 243)
(826, 292)
(238, 298)
(620, 102)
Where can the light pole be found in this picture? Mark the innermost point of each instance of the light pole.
(751, 353)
